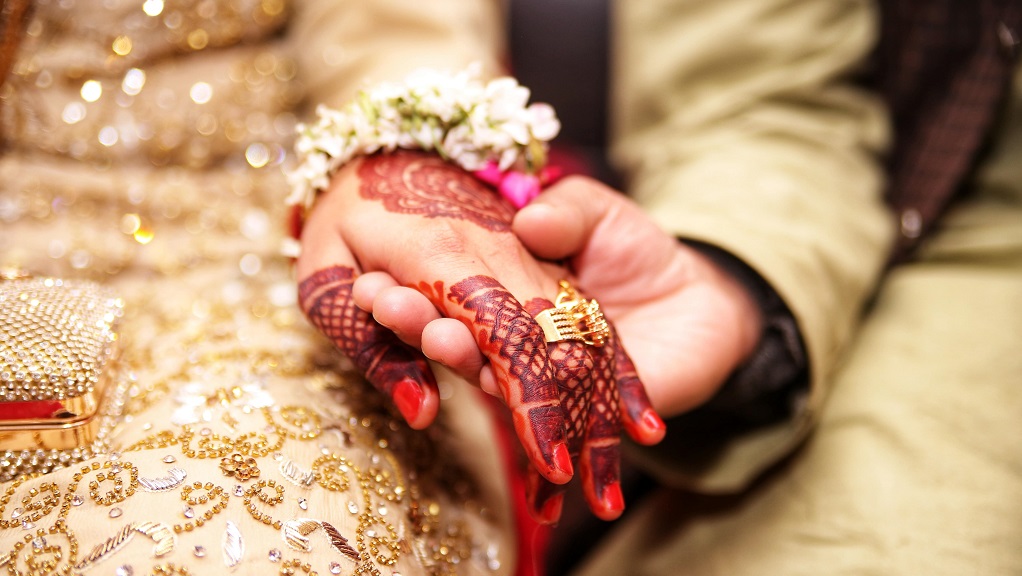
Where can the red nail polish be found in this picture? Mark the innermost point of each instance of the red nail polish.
(651, 420)
(551, 511)
(562, 459)
(408, 398)
(612, 499)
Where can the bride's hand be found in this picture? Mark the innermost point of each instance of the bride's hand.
(405, 253)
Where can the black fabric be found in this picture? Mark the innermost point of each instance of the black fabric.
(560, 51)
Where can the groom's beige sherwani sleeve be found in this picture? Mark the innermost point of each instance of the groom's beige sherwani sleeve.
(738, 123)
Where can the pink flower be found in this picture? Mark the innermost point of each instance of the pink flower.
(518, 187)
(490, 174)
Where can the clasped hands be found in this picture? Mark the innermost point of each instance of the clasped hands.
(407, 257)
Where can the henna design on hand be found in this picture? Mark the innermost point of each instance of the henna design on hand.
(516, 347)
(601, 452)
(423, 184)
(572, 367)
(392, 366)
(598, 393)
(599, 426)
(641, 421)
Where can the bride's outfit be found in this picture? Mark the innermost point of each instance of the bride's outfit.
(145, 141)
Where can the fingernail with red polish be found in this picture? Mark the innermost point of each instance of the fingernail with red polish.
(612, 499)
(562, 459)
(652, 422)
(551, 511)
(408, 397)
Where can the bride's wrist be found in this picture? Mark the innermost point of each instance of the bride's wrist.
(486, 129)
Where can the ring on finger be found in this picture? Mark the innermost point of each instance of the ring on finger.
(574, 318)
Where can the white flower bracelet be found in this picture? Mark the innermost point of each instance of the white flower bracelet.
(486, 129)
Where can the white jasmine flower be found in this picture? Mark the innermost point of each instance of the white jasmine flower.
(543, 122)
(508, 159)
(469, 123)
(517, 130)
(506, 97)
(290, 248)
(300, 190)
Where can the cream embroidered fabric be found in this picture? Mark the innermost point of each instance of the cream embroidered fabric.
(145, 140)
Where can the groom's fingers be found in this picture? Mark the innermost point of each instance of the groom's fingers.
(559, 222)
(449, 342)
(405, 311)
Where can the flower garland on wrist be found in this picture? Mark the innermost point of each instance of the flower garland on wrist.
(486, 129)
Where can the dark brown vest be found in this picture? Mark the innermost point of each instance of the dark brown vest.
(944, 67)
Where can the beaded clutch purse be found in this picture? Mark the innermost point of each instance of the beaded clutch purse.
(57, 343)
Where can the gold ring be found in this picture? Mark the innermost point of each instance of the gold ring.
(574, 318)
(558, 325)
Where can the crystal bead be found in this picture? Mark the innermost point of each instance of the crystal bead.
(26, 525)
(124, 570)
(491, 555)
(274, 555)
(188, 512)
(382, 510)
(116, 512)
(352, 507)
(239, 490)
(303, 503)
(77, 500)
(16, 513)
(335, 568)
(39, 543)
(169, 459)
(199, 551)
